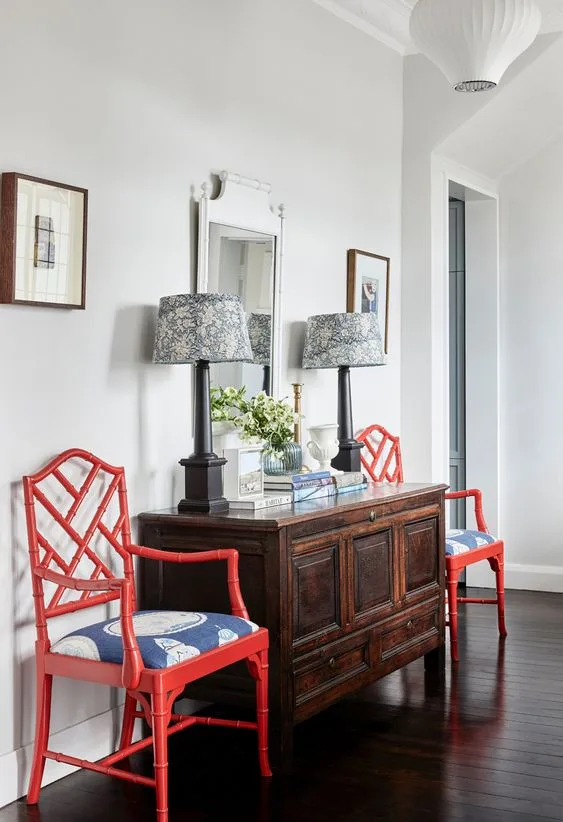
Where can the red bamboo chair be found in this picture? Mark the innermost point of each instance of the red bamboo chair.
(382, 461)
(75, 544)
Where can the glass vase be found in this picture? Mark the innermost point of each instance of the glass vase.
(288, 463)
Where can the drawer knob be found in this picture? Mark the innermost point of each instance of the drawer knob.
(372, 516)
(410, 623)
(332, 662)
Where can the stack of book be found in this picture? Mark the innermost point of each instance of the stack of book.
(314, 485)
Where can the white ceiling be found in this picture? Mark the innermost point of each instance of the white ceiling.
(388, 20)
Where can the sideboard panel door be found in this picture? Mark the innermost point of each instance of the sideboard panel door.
(421, 556)
(316, 592)
(373, 573)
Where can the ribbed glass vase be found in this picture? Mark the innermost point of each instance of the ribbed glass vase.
(288, 463)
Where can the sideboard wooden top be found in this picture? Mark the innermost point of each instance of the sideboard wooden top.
(283, 515)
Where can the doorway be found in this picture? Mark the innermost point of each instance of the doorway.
(456, 269)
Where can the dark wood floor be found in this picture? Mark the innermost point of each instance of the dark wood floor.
(485, 746)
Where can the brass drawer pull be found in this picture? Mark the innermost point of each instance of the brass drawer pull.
(372, 516)
(410, 623)
(332, 662)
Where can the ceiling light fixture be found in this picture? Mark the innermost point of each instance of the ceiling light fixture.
(474, 41)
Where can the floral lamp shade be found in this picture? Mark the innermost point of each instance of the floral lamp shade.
(345, 339)
(260, 333)
(192, 327)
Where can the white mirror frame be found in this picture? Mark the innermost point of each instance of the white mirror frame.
(245, 203)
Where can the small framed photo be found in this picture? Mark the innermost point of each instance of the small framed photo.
(42, 242)
(368, 287)
(243, 477)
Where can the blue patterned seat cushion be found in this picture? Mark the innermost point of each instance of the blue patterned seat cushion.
(164, 637)
(459, 542)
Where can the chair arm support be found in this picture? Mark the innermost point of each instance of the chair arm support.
(132, 659)
(238, 607)
(476, 493)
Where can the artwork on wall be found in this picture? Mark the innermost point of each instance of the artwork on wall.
(42, 242)
(368, 287)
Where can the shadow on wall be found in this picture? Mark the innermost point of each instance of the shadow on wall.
(131, 368)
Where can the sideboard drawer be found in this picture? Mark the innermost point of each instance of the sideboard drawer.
(322, 670)
(420, 626)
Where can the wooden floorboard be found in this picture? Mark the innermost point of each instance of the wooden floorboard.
(483, 745)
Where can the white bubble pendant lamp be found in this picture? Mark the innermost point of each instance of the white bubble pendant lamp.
(474, 41)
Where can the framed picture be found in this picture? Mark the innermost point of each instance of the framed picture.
(42, 242)
(242, 475)
(368, 287)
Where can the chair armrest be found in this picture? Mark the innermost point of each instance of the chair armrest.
(238, 607)
(132, 659)
(478, 496)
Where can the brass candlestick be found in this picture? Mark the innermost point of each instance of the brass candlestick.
(297, 386)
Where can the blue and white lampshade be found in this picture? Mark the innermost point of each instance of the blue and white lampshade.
(192, 327)
(260, 333)
(346, 339)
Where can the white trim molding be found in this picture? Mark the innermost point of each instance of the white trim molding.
(388, 21)
(519, 577)
(95, 737)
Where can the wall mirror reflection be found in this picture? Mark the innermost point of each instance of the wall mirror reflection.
(241, 262)
(240, 252)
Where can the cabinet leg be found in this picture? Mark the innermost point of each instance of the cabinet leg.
(435, 660)
(281, 746)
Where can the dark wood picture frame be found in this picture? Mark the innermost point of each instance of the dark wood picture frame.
(351, 288)
(46, 257)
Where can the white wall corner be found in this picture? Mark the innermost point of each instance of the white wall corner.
(95, 738)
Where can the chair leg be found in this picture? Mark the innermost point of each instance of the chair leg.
(44, 687)
(497, 564)
(160, 720)
(128, 722)
(451, 582)
(258, 666)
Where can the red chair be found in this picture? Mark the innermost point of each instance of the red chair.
(144, 652)
(382, 461)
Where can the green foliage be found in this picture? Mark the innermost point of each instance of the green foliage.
(260, 419)
(266, 420)
(226, 403)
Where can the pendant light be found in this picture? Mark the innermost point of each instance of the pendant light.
(474, 41)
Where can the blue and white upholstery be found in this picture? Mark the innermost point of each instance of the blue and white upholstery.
(164, 637)
(460, 541)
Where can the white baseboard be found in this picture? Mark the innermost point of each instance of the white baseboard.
(519, 577)
(94, 738)
(534, 577)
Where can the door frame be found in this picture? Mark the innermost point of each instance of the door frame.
(482, 336)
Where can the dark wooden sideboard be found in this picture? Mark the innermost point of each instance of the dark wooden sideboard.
(350, 588)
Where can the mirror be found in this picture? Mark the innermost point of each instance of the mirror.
(240, 242)
(242, 262)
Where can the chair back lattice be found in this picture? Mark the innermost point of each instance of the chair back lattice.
(77, 523)
(381, 454)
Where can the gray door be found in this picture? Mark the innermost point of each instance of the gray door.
(457, 359)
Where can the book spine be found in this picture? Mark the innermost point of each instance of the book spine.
(302, 494)
(269, 501)
(346, 489)
(309, 483)
(354, 478)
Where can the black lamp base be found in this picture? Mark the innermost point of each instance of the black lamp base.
(348, 457)
(204, 485)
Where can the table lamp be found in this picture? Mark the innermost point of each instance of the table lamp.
(344, 341)
(202, 328)
(260, 333)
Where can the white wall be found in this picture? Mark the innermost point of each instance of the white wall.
(138, 102)
(532, 389)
